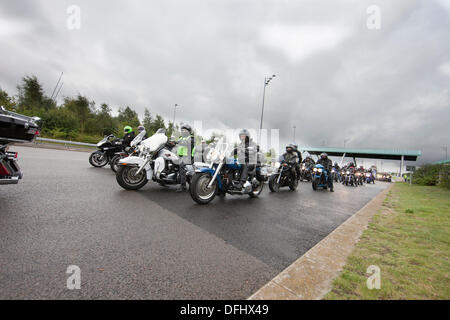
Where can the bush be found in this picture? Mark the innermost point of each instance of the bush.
(432, 175)
(444, 177)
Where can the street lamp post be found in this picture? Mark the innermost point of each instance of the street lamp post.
(173, 122)
(266, 83)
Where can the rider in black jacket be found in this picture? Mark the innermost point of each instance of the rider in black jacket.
(328, 165)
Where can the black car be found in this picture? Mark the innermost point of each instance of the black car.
(14, 128)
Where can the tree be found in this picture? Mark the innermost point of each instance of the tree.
(147, 122)
(81, 108)
(128, 117)
(6, 101)
(157, 124)
(31, 98)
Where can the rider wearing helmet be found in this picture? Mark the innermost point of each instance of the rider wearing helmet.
(140, 129)
(290, 157)
(185, 152)
(299, 155)
(128, 137)
(327, 164)
(246, 154)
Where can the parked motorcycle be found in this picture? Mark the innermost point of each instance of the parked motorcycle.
(14, 128)
(320, 177)
(132, 149)
(284, 177)
(107, 149)
(223, 176)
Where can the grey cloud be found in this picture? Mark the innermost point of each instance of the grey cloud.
(382, 89)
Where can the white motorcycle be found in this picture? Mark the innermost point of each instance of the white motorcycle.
(155, 162)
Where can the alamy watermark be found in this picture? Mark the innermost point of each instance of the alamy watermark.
(74, 280)
(374, 280)
(73, 21)
(373, 21)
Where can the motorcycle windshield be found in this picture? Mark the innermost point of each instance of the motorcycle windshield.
(155, 141)
(138, 139)
(219, 152)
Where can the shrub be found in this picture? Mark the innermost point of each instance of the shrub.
(427, 175)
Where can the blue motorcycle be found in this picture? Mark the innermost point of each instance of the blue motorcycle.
(320, 177)
(223, 176)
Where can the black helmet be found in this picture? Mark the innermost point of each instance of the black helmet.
(323, 155)
(244, 132)
(335, 164)
(290, 148)
(295, 147)
(186, 127)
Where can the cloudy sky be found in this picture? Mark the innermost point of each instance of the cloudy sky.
(336, 78)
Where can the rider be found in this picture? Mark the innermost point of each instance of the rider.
(246, 154)
(185, 152)
(140, 129)
(327, 164)
(128, 137)
(290, 157)
(299, 156)
(309, 161)
(338, 170)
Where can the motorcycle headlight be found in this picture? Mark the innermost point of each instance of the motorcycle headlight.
(367, 175)
(348, 172)
(320, 170)
(315, 169)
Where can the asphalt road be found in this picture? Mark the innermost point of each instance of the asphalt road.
(152, 243)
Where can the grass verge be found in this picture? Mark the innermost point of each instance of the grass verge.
(408, 239)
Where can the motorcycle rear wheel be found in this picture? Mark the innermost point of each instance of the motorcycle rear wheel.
(257, 190)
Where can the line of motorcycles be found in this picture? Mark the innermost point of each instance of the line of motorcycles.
(14, 128)
(154, 159)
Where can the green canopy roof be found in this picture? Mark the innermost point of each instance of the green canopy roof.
(408, 155)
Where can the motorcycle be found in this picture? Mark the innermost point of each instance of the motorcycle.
(320, 177)
(359, 178)
(14, 127)
(154, 161)
(305, 172)
(284, 177)
(335, 174)
(223, 176)
(350, 178)
(108, 147)
(127, 151)
(370, 178)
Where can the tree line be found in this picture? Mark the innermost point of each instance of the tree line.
(77, 118)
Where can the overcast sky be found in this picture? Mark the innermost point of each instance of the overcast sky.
(336, 78)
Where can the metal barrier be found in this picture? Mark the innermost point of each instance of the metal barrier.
(65, 142)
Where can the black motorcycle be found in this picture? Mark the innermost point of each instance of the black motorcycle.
(14, 128)
(285, 177)
(107, 149)
(305, 172)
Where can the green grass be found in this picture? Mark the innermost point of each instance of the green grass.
(409, 240)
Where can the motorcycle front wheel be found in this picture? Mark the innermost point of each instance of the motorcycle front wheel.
(199, 190)
(274, 186)
(126, 177)
(114, 162)
(98, 159)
